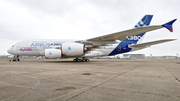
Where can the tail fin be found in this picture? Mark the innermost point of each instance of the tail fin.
(145, 21)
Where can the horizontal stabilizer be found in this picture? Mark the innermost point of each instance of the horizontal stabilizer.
(148, 44)
(169, 25)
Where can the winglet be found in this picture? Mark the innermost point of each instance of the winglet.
(169, 25)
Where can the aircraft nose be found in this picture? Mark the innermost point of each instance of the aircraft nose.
(9, 50)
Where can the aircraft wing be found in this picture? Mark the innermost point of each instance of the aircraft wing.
(148, 44)
(135, 31)
(123, 35)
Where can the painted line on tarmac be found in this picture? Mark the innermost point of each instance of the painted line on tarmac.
(171, 73)
(92, 86)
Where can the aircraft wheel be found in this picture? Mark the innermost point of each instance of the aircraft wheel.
(79, 60)
(87, 60)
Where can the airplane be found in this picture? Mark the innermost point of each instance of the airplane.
(107, 45)
(112, 57)
(10, 56)
(177, 57)
(124, 57)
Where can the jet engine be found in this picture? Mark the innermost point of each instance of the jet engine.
(52, 53)
(67, 49)
(73, 49)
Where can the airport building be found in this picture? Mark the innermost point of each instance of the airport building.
(135, 56)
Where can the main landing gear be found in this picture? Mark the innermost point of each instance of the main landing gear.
(81, 60)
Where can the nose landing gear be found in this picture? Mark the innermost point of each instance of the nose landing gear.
(15, 58)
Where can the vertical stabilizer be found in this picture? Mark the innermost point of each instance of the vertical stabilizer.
(145, 21)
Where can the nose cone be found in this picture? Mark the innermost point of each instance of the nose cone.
(9, 50)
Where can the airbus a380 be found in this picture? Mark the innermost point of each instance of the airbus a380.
(81, 50)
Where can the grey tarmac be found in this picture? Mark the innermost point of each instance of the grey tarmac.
(97, 80)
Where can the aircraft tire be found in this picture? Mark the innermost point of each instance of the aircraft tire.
(74, 60)
(87, 60)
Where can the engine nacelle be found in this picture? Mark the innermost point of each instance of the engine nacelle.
(72, 49)
(52, 53)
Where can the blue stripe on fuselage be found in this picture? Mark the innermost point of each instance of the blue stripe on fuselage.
(123, 47)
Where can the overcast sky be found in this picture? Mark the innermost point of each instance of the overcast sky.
(84, 19)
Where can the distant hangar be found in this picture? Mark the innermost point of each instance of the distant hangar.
(135, 56)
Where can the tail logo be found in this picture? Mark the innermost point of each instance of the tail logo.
(140, 24)
(133, 37)
(145, 21)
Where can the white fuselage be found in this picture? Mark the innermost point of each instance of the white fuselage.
(34, 47)
(38, 47)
